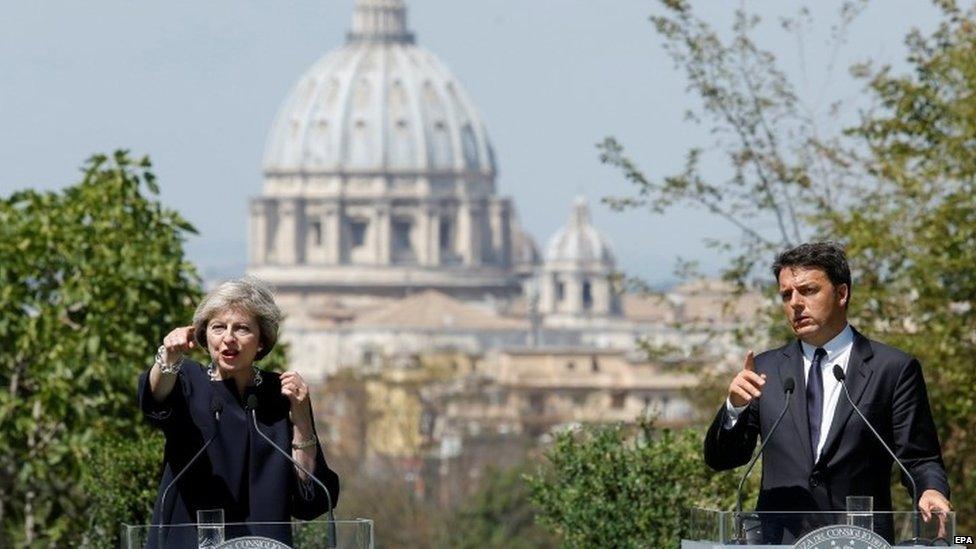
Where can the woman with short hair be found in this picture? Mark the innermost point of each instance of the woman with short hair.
(237, 324)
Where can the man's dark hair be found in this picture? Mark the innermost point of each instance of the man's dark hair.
(827, 256)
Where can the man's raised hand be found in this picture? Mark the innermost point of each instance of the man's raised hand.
(747, 384)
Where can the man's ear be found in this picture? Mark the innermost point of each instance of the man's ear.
(844, 291)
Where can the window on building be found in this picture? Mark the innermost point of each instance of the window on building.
(401, 235)
(357, 233)
(446, 234)
(594, 363)
(617, 399)
(427, 418)
(570, 365)
(560, 291)
(587, 295)
(315, 232)
(371, 358)
(537, 403)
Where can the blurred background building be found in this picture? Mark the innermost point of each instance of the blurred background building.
(439, 337)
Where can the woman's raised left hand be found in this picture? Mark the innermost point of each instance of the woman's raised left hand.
(296, 390)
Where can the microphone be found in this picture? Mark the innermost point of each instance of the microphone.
(252, 405)
(216, 407)
(841, 376)
(789, 385)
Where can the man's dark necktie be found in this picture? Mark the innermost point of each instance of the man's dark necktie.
(815, 393)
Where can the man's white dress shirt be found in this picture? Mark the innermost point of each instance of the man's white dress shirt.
(838, 352)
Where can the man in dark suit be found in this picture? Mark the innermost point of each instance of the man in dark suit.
(822, 452)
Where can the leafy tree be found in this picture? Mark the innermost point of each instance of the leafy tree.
(617, 486)
(776, 180)
(120, 480)
(897, 190)
(913, 234)
(90, 277)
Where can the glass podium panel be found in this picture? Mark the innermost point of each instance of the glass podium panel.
(710, 528)
(324, 534)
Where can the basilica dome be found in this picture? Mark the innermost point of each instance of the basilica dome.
(379, 181)
(379, 104)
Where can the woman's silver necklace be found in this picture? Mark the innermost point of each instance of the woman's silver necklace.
(256, 378)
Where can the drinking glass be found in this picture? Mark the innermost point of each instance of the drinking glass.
(210, 527)
(860, 511)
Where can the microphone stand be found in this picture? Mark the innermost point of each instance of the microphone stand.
(216, 407)
(252, 403)
(841, 376)
(788, 387)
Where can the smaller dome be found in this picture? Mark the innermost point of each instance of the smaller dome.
(579, 243)
(526, 251)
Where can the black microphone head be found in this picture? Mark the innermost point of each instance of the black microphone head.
(839, 374)
(789, 385)
(252, 402)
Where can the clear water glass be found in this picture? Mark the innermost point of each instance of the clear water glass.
(860, 511)
(210, 528)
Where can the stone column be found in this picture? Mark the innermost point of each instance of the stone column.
(290, 237)
(600, 288)
(501, 233)
(333, 233)
(423, 235)
(463, 232)
(547, 293)
(381, 234)
(479, 226)
(574, 294)
(434, 237)
(470, 219)
(258, 248)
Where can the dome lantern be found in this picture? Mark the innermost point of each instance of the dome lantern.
(380, 21)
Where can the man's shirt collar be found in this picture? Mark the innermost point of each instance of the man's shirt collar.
(840, 343)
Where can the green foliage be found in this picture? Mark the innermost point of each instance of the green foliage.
(914, 239)
(620, 486)
(498, 515)
(120, 480)
(89, 278)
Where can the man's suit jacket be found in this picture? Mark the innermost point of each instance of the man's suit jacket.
(887, 386)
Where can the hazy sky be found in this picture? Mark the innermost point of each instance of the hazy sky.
(195, 84)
